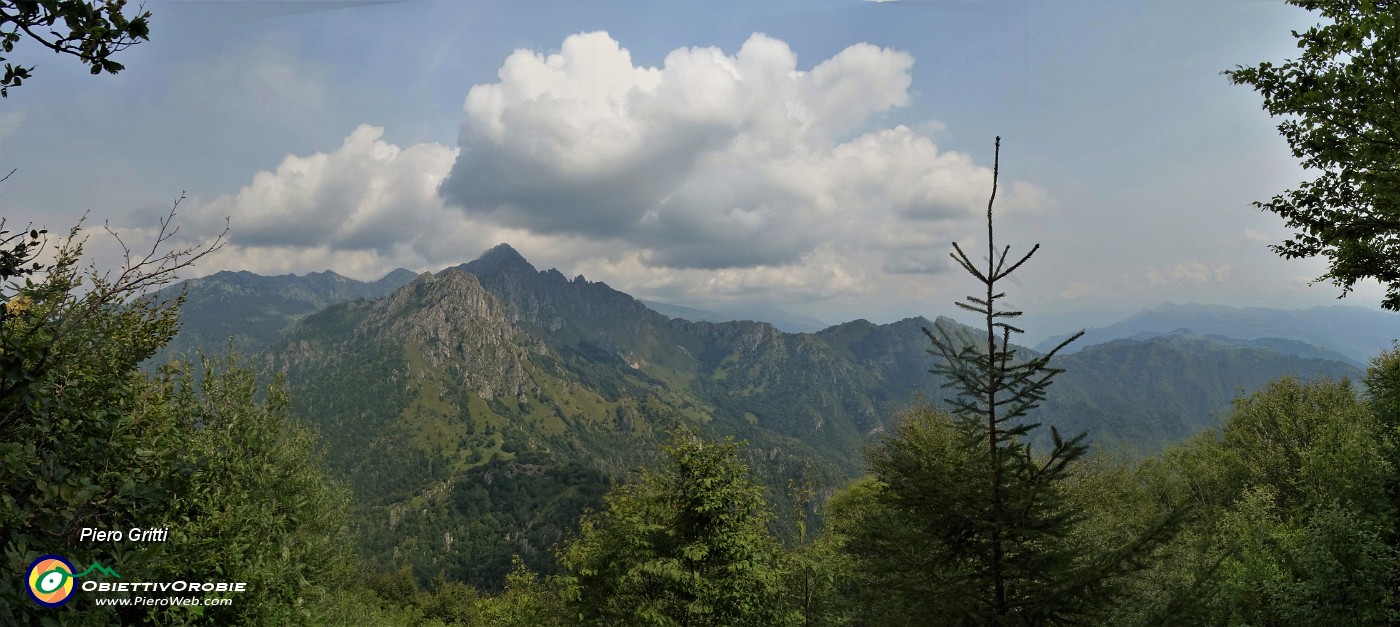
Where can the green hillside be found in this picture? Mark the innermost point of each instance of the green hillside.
(475, 413)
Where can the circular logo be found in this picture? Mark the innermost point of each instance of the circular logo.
(50, 580)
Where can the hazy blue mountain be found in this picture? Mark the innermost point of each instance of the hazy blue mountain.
(780, 318)
(685, 313)
(1149, 393)
(783, 319)
(1276, 344)
(1356, 332)
(1143, 393)
(254, 310)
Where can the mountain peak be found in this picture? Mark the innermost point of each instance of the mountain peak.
(403, 274)
(499, 257)
(501, 252)
(325, 277)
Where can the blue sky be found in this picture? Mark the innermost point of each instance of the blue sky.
(819, 156)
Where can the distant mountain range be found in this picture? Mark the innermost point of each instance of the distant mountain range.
(474, 412)
(784, 320)
(252, 310)
(1147, 392)
(686, 313)
(1356, 332)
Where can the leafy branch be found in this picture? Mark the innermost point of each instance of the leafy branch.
(94, 32)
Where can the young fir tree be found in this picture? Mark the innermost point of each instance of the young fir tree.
(1013, 524)
(964, 525)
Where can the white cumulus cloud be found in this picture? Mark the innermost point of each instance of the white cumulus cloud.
(361, 209)
(367, 195)
(712, 160)
(714, 175)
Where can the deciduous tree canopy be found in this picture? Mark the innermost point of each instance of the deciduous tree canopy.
(1340, 101)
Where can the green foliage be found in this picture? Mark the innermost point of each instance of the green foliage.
(1383, 388)
(357, 606)
(816, 567)
(95, 31)
(905, 571)
(255, 505)
(857, 525)
(1339, 103)
(527, 601)
(395, 598)
(89, 441)
(1127, 513)
(920, 534)
(1308, 538)
(84, 439)
(1295, 513)
(19, 259)
(1309, 443)
(682, 545)
(494, 514)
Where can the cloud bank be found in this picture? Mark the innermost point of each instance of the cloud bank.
(710, 161)
(712, 175)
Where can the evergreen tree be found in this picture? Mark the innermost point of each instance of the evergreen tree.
(1007, 518)
(964, 524)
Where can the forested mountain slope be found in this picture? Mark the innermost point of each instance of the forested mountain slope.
(476, 412)
(1147, 394)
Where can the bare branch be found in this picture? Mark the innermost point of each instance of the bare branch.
(137, 276)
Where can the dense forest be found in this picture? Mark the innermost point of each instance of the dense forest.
(966, 510)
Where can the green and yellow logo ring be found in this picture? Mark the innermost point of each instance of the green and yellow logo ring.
(51, 580)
